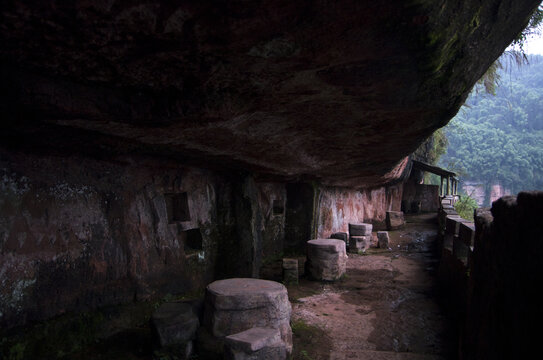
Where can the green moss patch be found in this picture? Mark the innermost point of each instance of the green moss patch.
(310, 342)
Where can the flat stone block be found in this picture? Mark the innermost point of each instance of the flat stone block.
(327, 259)
(383, 239)
(253, 339)
(361, 229)
(175, 323)
(239, 304)
(394, 220)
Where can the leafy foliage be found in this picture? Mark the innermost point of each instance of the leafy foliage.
(433, 148)
(499, 139)
(465, 207)
(516, 55)
(532, 28)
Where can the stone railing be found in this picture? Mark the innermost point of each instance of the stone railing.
(490, 275)
(456, 244)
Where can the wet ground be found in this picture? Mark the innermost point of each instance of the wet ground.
(386, 307)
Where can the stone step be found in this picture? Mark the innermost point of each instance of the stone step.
(254, 339)
(255, 344)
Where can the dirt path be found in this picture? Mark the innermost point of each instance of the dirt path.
(385, 308)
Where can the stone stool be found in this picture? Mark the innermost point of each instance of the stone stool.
(359, 243)
(361, 229)
(255, 343)
(290, 271)
(394, 220)
(239, 304)
(327, 259)
(175, 325)
(383, 239)
(359, 237)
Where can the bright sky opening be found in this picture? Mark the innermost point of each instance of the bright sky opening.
(534, 45)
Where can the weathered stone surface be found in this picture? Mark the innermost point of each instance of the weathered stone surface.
(108, 222)
(452, 224)
(290, 271)
(466, 233)
(360, 229)
(327, 259)
(255, 344)
(82, 233)
(383, 239)
(419, 197)
(340, 206)
(175, 323)
(239, 304)
(394, 220)
(359, 243)
(207, 83)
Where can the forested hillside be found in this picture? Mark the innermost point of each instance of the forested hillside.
(499, 139)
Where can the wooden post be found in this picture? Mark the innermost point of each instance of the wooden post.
(441, 186)
(448, 193)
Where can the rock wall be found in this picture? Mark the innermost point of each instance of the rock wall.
(482, 195)
(426, 195)
(337, 207)
(78, 233)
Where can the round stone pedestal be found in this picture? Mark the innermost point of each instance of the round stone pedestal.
(239, 304)
(327, 259)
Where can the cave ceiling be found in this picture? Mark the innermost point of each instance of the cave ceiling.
(334, 91)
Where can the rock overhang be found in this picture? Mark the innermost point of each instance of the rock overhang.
(338, 92)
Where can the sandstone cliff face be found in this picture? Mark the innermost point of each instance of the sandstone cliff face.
(338, 207)
(335, 91)
(79, 233)
(484, 197)
(76, 233)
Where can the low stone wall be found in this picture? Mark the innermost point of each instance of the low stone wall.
(420, 197)
(490, 271)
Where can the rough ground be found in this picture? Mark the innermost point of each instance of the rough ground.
(385, 308)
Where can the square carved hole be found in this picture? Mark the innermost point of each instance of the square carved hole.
(193, 239)
(278, 207)
(177, 206)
